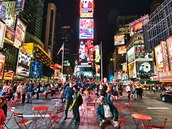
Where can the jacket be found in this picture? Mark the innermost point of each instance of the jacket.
(68, 93)
(100, 112)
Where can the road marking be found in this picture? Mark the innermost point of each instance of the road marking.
(30, 116)
(158, 108)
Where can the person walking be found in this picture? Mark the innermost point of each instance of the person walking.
(77, 101)
(68, 98)
(30, 92)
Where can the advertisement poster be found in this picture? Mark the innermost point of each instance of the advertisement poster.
(19, 33)
(165, 56)
(23, 65)
(2, 63)
(36, 70)
(97, 66)
(119, 40)
(145, 69)
(122, 50)
(169, 46)
(20, 5)
(130, 55)
(140, 53)
(159, 57)
(137, 26)
(86, 8)
(9, 75)
(86, 29)
(9, 35)
(2, 33)
(131, 70)
(2, 11)
(97, 53)
(86, 51)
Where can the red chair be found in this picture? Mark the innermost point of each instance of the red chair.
(9, 118)
(54, 118)
(158, 127)
(20, 121)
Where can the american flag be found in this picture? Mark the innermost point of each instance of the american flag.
(61, 49)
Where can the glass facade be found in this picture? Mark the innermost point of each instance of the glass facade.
(159, 27)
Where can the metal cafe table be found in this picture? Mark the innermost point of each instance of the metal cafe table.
(141, 120)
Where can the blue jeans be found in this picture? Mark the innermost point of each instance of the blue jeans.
(29, 97)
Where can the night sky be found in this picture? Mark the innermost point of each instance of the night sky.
(106, 13)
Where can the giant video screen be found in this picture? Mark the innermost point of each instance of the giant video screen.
(86, 51)
(36, 70)
(23, 65)
(86, 8)
(137, 25)
(119, 40)
(86, 30)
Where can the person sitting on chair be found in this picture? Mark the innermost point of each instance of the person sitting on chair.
(107, 114)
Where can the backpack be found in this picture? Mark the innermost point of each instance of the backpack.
(80, 100)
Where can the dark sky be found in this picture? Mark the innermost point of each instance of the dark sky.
(106, 13)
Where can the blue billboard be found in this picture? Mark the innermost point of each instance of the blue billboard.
(36, 70)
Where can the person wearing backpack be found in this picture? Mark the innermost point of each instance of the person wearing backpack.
(77, 101)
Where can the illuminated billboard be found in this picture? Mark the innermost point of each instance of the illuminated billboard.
(9, 35)
(86, 8)
(2, 33)
(169, 47)
(23, 65)
(8, 75)
(97, 53)
(2, 11)
(132, 70)
(122, 50)
(145, 69)
(19, 5)
(86, 30)
(36, 70)
(2, 63)
(19, 33)
(137, 25)
(130, 55)
(159, 57)
(119, 40)
(86, 51)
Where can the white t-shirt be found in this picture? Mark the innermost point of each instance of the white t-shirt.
(107, 111)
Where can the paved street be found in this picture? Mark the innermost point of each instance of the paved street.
(148, 105)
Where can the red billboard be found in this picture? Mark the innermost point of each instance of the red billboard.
(119, 40)
(86, 29)
(137, 25)
(169, 48)
(86, 8)
(86, 51)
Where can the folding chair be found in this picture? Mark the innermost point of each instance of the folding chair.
(9, 118)
(158, 127)
(20, 121)
(55, 118)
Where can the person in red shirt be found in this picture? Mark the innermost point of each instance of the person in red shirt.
(2, 118)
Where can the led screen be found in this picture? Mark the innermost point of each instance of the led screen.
(86, 51)
(23, 65)
(2, 11)
(86, 8)
(169, 46)
(2, 63)
(86, 29)
(2, 34)
(20, 5)
(19, 33)
(36, 70)
(9, 35)
(119, 40)
(159, 57)
(137, 26)
(122, 50)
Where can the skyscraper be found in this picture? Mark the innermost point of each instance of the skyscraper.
(32, 16)
(50, 28)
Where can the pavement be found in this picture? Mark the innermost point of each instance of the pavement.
(149, 105)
